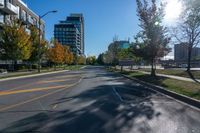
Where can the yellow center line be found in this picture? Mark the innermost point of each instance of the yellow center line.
(43, 81)
(49, 81)
(13, 91)
(39, 97)
(2, 93)
(68, 76)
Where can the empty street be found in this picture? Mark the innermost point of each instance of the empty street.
(90, 100)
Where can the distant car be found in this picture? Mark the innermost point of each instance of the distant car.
(183, 66)
(3, 71)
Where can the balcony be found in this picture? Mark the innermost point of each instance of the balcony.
(1, 3)
(8, 8)
(30, 20)
(23, 19)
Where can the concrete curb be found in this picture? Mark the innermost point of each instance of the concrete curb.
(180, 97)
(83, 67)
(32, 75)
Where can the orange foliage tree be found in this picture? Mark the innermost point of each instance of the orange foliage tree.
(68, 56)
(56, 54)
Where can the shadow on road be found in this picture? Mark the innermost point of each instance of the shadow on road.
(105, 113)
(96, 110)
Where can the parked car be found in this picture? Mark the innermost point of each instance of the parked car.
(183, 66)
(3, 71)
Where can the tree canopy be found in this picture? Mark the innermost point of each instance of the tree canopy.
(15, 42)
(152, 41)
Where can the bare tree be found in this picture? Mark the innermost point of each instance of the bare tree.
(187, 30)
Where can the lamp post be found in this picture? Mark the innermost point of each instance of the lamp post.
(39, 48)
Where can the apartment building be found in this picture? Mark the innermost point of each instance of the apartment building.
(70, 32)
(181, 52)
(17, 9)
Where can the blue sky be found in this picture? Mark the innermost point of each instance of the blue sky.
(103, 19)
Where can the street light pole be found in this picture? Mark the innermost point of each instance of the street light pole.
(39, 41)
(39, 60)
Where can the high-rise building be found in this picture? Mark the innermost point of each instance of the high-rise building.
(17, 9)
(70, 32)
(124, 44)
(195, 53)
(181, 52)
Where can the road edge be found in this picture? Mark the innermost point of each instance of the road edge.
(182, 98)
(32, 75)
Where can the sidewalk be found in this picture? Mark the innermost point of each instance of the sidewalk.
(173, 77)
(168, 76)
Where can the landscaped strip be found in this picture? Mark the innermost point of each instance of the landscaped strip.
(190, 89)
(18, 74)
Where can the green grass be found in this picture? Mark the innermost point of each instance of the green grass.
(17, 75)
(181, 73)
(190, 89)
(43, 70)
(74, 67)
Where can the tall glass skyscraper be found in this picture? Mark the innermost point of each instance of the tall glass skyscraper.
(70, 32)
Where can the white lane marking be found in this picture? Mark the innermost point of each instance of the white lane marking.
(41, 105)
(117, 94)
(55, 106)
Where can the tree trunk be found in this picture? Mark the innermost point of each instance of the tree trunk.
(189, 59)
(153, 73)
(30, 66)
(54, 67)
(131, 67)
(14, 65)
(121, 68)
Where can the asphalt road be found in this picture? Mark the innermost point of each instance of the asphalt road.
(90, 101)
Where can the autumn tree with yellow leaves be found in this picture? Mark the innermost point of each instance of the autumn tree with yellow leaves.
(68, 56)
(15, 43)
(38, 48)
(80, 60)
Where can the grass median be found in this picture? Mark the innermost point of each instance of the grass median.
(43, 70)
(190, 89)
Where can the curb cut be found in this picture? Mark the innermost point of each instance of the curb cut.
(32, 75)
(180, 97)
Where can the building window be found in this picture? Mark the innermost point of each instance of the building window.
(1, 18)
